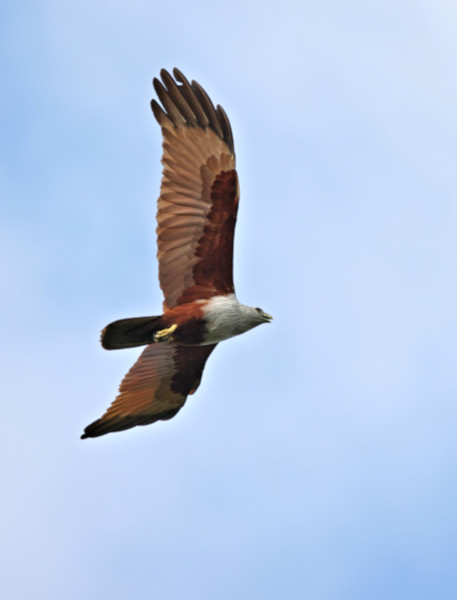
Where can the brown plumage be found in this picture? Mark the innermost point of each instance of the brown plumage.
(196, 218)
(199, 194)
(155, 388)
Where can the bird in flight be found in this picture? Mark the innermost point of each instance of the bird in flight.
(196, 216)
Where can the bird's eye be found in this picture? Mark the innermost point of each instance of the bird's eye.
(259, 310)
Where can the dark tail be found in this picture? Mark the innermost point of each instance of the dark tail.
(128, 333)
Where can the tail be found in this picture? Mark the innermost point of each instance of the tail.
(128, 333)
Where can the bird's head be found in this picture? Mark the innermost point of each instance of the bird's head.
(263, 316)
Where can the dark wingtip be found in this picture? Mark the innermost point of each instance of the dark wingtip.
(188, 104)
(178, 74)
(92, 430)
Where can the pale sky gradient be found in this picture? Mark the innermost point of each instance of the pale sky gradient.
(318, 459)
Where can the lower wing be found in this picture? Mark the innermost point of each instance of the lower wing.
(155, 388)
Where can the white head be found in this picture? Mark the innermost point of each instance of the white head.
(262, 317)
(253, 316)
(225, 317)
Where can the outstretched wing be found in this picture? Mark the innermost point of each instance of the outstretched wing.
(155, 388)
(199, 193)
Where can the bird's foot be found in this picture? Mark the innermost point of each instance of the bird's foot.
(165, 335)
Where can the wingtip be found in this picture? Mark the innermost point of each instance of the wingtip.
(177, 73)
(164, 73)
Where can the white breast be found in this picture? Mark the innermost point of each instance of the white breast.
(225, 317)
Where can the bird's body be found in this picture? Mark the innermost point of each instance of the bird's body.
(196, 218)
(198, 323)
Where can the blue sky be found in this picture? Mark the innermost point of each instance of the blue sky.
(319, 457)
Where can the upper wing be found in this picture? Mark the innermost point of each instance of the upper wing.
(199, 193)
(155, 388)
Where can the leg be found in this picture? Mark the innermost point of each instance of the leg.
(165, 335)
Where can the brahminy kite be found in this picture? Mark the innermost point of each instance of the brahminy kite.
(196, 219)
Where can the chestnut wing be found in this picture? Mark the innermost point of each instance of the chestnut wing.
(199, 193)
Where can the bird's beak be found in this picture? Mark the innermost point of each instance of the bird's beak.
(268, 318)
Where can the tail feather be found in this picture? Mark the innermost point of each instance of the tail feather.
(128, 333)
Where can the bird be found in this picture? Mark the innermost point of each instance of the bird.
(196, 217)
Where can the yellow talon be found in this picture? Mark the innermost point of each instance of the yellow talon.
(165, 335)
